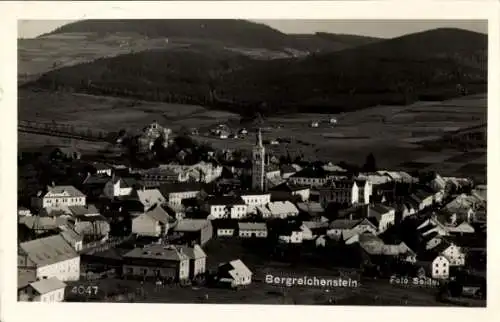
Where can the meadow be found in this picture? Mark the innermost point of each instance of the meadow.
(391, 133)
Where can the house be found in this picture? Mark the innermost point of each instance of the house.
(197, 260)
(155, 177)
(50, 257)
(385, 216)
(288, 190)
(287, 171)
(46, 290)
(311, 209)
(339, 191)
(432, 225)
(291, 232)
(454, 253)
(225, 207)
(424, 198)
(310, 176)
(440, 268)
(199, 231)
(157, 261)
(343, 229)
(93, 185)
(23, 212)
(365, 191)
(225, 227)
(119, 187)
(89, 210)
(177, 192)
(317, 227)
(38, 225)
(92, 227)
(234, 274)
(149, 197)
(253, 199)
(252, 230)
(281, 209)
(155, 222)
(376, 247)
(72, 238)
(102, 169)
(58, 196)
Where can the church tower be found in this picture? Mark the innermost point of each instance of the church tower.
(258, 164)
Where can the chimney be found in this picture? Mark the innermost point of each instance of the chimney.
(53, 184)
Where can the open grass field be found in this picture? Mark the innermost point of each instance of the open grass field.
(37, 56)
(386, 131)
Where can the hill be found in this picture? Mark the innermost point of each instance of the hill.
(230, 32)
(432, 65)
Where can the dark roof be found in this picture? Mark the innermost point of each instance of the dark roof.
(83, 210)
(96, 180)
(288, 187)
(310, 172)
(288, 168)
(422, 194)
(100, 166)
(225, 200)
(180, 187)
(288, 227)
(126, 182)
(225, 224)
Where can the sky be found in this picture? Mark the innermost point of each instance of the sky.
(374, 28)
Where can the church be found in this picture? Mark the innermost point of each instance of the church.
(258, 164)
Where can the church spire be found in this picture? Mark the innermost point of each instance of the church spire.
(259, 138)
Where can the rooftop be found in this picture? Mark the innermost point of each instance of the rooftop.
(48, 285)
(252, 226)
(48, 250)
(160, 252)
(69, 190)
(224, 200)
(191, 224)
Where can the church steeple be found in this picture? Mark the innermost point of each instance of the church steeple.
(259, 138)
(258, 163)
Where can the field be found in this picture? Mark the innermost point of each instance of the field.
(391, 133)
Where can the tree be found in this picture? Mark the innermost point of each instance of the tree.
(370, 163)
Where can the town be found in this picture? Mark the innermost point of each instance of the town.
(161, 217)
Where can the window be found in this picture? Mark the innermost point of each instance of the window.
(436, 271)
(144, 271)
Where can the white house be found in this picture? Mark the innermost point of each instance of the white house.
(253, 199)
(385, 216)
(50, 257)
(118, 187)
(197, 259)
(252, 230)
(291, 233)
(235, 273)
(156, 260)
(339, 191)
(102, 169)
(365, 191)
(225, 207)
(282, 209)
(452, 252)
(346, 228)
(155, 222)
(46, 290)
(310, 176)
(59, 197)
(225, 227)
(149, 197)
(72, 237)
(176, 193)
(440, 267)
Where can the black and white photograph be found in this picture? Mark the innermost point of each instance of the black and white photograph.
(307, 162)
